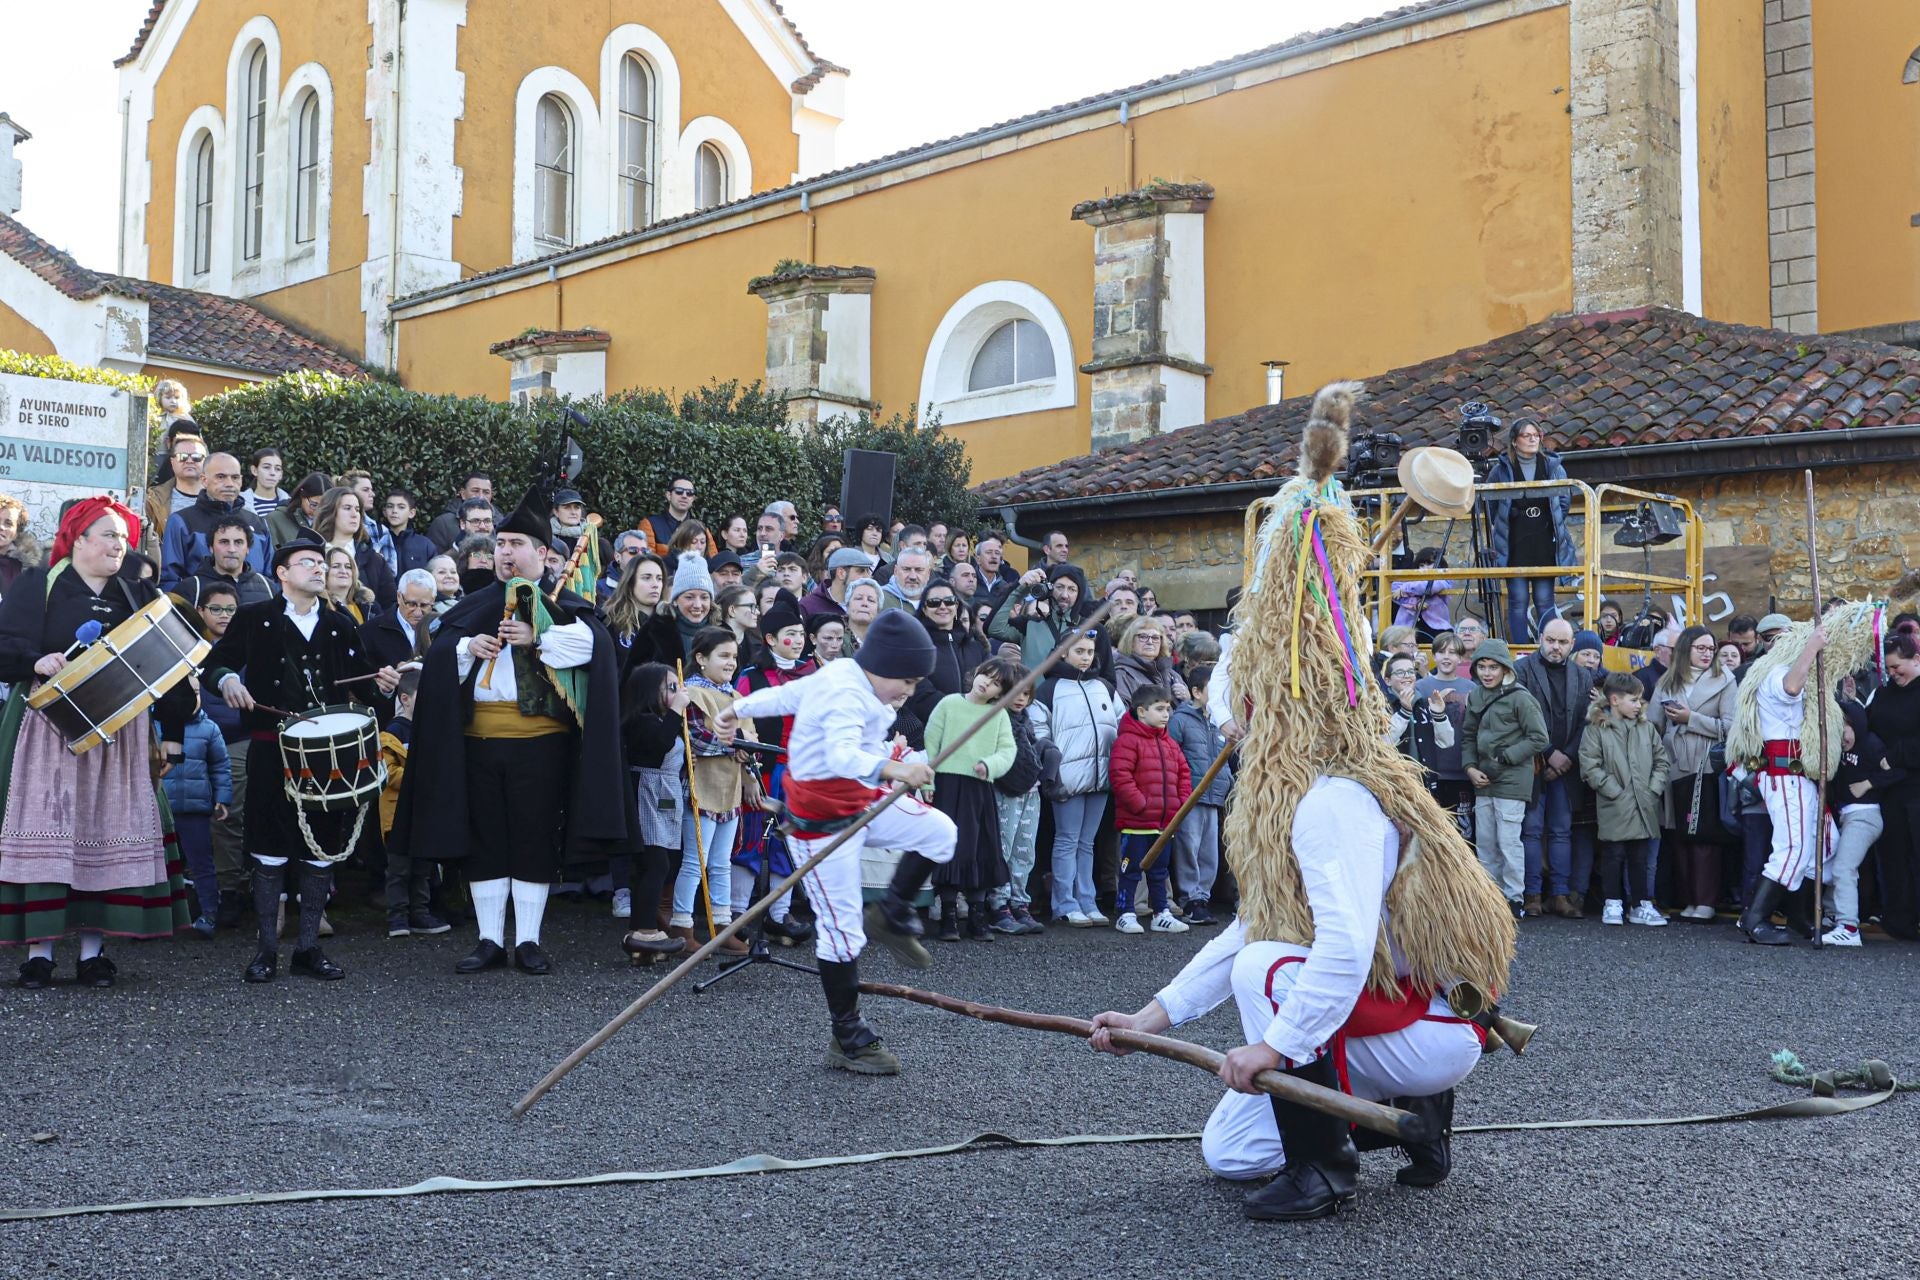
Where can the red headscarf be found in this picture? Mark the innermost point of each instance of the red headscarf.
(80, 517)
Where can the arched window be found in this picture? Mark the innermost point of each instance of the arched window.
(1911, 74)
(553, 173)
(200, 229)
(709, 176)
(306, 170)
(253, 151)
(1015, 353)
(638, 112)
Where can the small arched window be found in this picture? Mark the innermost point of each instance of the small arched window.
(200, 229)
(1912, 74)
(1015, 353)
(553, 172)
(306, 170)
(637, 116)
(709, 176)
(253, 150)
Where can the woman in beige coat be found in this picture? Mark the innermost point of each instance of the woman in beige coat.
(1693, 708)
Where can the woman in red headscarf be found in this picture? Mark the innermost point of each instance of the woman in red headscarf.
(82, 845)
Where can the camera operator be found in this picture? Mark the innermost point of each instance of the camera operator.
(1041, 609)
(1528, 530)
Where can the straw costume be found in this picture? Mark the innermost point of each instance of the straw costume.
(1360, 902)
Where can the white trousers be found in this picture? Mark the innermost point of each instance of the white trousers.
(1242, 1140)
(1793, 806)
(834, 886)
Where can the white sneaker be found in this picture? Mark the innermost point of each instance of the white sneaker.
(1130, 923)
(1079, 920)
(1646, 913)
(1702, 912)
(1095, 917)
(1165, 923)
(623, 904)
(1614, 912)
(1843, 935)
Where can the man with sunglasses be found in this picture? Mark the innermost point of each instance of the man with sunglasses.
(659, 530)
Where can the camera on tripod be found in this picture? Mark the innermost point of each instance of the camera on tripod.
(1478, 425)
(1651, 524)
(1373, 459)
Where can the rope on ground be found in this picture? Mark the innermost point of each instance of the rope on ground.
(1786, 1069)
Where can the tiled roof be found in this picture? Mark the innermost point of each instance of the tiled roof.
(146, 29)
(1644, 377)
(897, 159)
(551, 338)
(184, 324)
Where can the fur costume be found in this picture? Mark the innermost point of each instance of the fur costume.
(1313, 708)
(1855, 632)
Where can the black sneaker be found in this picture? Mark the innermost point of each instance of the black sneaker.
(97, 972)
(424, 921)
(397, 926)
(35, 974)
(1198, 912)
(788, 932)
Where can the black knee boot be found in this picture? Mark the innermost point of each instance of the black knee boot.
(1322, 1165)
(856, 1046)
(893, 922)
(315, 883)
(268, 883)
(1757, 920)
(1431, 1160)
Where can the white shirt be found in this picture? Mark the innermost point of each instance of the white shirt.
(1781, 714)
(567, 645)
(839, 726)
(1348, 854)
(305, 621)
(1221, 708)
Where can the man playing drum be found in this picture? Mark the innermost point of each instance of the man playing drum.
(279, 658)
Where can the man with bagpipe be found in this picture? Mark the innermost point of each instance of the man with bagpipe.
(515, 766)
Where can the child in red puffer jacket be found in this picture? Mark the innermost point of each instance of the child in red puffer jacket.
(1151, 780)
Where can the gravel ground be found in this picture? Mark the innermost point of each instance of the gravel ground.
(184, 1082)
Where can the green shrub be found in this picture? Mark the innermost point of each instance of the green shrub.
(33, 366)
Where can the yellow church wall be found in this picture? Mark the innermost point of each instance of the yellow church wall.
(720, 75)
(328, 308)
(17, 333)
(1867, 166)
(1730, 59)
(337, 37)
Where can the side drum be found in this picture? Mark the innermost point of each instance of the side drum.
(119, 676)
(331, 759)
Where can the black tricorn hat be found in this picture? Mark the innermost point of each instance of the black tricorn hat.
(533, 518)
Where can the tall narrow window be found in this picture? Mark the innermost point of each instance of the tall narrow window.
(553, 173)
(637, 117)
(709, 177)
(254, 156)
(1016, 352)
(201, 228)
(306, 170)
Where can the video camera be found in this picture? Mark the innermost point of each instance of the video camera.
(1478, 425)
(1373, 459)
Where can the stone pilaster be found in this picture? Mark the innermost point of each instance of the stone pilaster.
(819, 340)
(1791, 250)
(1149, 365)
(1625, 104)
(555, 362)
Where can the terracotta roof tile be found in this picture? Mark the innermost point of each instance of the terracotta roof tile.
(185, 324)
(1635, 378)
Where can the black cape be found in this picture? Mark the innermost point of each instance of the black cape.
(430, 820)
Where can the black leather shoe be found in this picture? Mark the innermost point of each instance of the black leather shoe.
(265, 967)
(789, 932)
(97, 972)
(488, 955)
(1322, 1166)
(314, 963)
(35, 974)
(531, 959)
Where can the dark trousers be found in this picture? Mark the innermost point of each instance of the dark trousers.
(516, 796)
(649, 869)
(195, 832)
(1756, 844)
(1615, 856)
(1133, 848)
(1899, 865)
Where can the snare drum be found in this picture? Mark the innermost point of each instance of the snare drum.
(331, 758)
(119, 676)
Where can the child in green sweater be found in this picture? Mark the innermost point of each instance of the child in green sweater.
(963, 790)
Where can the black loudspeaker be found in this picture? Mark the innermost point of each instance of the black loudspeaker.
(866, 486)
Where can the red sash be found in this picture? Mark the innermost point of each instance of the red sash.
(824, 799)
(1374, 1015)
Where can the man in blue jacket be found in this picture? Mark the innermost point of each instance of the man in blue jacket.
(185, 544)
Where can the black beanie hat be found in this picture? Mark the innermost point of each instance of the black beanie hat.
(896, 647)
(784, 612)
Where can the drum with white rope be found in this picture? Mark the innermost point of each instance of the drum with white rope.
(331, 762)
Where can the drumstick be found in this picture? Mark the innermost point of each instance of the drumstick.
(405, 666)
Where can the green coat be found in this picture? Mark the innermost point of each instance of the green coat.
(1503, 733)
(1625, 763)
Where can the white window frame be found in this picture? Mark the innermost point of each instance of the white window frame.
(592, 207)
(201, 197)
(552, 113)
(306, 169)
(256, 115)
(309, 259)
(233, 272)
(712, 131)
(672, 192)
(965, 328)
(204, 124)
(623, 120)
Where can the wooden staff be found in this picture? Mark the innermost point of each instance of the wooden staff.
(486, 672)
(580, 546)
(1819, 701)
(746, 917)
(1186, 807)
(1399, 1125)
(693, 800)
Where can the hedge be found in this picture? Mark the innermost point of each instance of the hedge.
(731, 440)
(33, 366)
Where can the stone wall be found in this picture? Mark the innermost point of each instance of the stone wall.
(1791, 245)
(1189, 561)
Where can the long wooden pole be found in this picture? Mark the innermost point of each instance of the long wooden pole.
(1186, 806)
(1399, 1125)
(746, 917)
(1819, 704)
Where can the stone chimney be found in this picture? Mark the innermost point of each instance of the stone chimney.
(1149, 365)
(819, 339)
(555, 362)
(10, 133)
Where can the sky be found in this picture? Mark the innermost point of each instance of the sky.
(921, 71)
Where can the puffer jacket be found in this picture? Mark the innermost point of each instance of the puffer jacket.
(1503, 732)
(1201, 743)
(1625, 763)
(1024, 776)
(205, 778)
(1131, 673)
(1078, 714)
(1498, 505)
(1150, 776)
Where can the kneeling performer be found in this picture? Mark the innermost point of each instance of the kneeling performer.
(1360, 902)
(838, 763)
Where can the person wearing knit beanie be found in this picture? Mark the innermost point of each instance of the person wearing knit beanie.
(691, 575)
(896, 648)
(1588, 642)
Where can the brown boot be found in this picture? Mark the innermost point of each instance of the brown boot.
(1532, 905)
(1566, 906)
(685, 934)
(734, 946)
